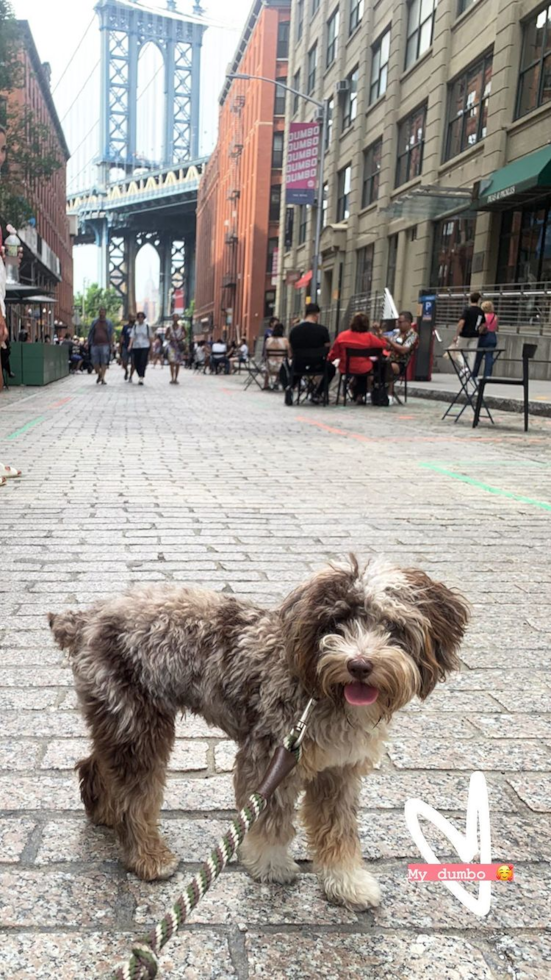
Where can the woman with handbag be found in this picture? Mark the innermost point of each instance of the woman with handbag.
(140, 346)
(176, 349)
(487, 341)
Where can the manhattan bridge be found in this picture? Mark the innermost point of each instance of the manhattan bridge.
(134, 201)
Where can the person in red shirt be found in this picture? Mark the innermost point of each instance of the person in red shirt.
(357, 335)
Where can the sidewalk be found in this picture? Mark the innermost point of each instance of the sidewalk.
(507, 398)
(208, 485)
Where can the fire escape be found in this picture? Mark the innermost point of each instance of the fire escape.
(231, 276)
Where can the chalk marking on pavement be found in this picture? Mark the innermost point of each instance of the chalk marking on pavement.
(25, 428)
(62, 401)
(334, 430)
(409, 438)
(486, 486)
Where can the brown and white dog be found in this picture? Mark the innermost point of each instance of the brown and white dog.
(362, 641)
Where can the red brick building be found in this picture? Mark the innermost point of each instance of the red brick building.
(239, 198)
(48, 259)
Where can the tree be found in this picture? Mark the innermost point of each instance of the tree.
(32, 154)
(89, 304)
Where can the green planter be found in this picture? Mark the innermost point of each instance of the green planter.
(38, 364)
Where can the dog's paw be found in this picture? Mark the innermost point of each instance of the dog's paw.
(155, 868)
(356, 889)
(268, 863)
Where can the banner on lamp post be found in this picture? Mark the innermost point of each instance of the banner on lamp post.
(302, 163)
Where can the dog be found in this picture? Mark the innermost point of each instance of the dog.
(362, 641)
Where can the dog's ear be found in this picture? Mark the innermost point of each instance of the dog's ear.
(447, 615)
(312, 611)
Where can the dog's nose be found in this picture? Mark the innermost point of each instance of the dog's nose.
(359, 668)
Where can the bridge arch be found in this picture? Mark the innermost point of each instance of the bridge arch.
(150, 118)
(148, 282)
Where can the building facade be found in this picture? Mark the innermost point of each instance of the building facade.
(430, 103)
(240, 195)
(48, 258)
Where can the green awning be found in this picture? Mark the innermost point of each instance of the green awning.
(525, 180)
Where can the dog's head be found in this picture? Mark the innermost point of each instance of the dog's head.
(375, 635)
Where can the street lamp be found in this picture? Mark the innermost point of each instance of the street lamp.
(323, 107)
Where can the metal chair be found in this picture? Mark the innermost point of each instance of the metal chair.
(310, 371)
(528, 351)
(349, 354)
(402, 378)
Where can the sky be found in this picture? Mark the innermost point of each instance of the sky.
(58, 26)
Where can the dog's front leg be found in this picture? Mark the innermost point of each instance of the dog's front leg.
(265, 850)
(329, 813)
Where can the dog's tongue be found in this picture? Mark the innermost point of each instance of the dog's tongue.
(359, 694)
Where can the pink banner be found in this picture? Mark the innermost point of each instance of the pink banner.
(302, 163)
(460, 872)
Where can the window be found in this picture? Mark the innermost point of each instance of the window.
(420, 28)
(392, 262)
(302, 224)
(343, 193)
(312, 63)
(277, 151)
(280, 94)
(411, 139)
(364, 269)
(463, 6)
(534, 87)
(372, 169)
(315, 6)
(272, 248)
(300, 18)
(468, 108)
(525, 246)
(289, 226)
(332, 38)
(453, 252)
(269, 303)
(275, 202)
(379, 67)
(350, 106)
(356, 14)
(324, 205)
(329, 127)
(296, 85)
(283, 39)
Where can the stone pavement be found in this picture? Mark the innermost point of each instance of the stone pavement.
(205, 484)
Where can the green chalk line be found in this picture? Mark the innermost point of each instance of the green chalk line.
(485, 486)
(26, 427)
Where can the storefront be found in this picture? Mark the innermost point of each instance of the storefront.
(522, 193)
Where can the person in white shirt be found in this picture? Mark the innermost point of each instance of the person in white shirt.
(140, 345)
(219, 356)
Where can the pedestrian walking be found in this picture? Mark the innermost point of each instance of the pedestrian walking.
(140, 345)
(487, 341)
(100, 339)
(176, 349)
(126, 356)
(468, 328)
(6, 472)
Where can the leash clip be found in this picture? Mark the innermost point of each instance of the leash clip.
(303, 723)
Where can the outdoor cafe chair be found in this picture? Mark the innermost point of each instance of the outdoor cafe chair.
(528, 351)
(374, 353)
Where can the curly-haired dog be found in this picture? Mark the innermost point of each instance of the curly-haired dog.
(362, 641)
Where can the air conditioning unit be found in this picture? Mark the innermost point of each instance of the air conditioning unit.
(343, 86)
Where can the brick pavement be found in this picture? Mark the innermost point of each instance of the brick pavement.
(208, 485)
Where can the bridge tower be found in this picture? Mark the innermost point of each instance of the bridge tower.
(126, 27)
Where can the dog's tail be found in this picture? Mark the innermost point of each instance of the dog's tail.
(67, 628)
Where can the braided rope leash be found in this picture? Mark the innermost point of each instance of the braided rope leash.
(143, 964)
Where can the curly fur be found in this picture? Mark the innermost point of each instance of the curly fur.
(142, 658)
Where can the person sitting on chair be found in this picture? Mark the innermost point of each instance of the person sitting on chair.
(309, 344)
(277, 342)
(401, 346)
(358, 335)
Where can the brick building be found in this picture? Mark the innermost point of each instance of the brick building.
(437, 157)
(239, 199)
(48, 260)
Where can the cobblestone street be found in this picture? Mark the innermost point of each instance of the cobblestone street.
(205, 484)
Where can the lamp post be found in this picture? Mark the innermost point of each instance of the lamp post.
(322, 106)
